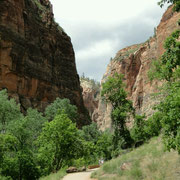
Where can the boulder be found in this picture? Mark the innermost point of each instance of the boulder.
(71, 170)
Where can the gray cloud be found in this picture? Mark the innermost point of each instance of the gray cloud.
(133, 31)
(94, 67)
(96, 42)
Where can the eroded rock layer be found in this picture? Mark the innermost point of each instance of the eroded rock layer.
(134, 62)
(37, 62)
(91, 97)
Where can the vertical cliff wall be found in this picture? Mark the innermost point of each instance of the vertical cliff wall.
(91, 96)
(134, 62)
(37, 62)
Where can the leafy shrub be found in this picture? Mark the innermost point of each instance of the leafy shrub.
(153, 126)
(137, 132)
(61, 104)
(9, 111)
(104, 145)
(57, 143)
(90, 132)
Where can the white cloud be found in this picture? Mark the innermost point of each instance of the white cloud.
(99, 28)
(98, 49)
(103, 11)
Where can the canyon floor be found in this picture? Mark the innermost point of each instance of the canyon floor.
(80, 175)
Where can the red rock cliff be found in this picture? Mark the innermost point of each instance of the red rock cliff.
(134, 62)
(91, 96)
(37, 62)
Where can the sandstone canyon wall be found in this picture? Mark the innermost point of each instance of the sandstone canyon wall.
(91, 96)
(37, 62)
(134, 62)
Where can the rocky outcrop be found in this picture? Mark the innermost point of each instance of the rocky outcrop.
(91, 96)
(134, 62)
(37, 62)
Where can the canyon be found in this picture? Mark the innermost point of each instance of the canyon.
(37, 63)
(134, 62)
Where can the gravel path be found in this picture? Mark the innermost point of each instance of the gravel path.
(80, 175)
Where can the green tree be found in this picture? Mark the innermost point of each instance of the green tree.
(90, 132)
(152, 126)
(168, 70)
(34, 123)
(175, 2)
(28, 128)
(104, 145)
(170, 117)
(17, 149)
(137, 132)
(58, 143)
(9, 111)
(167, 67)
(17, 161)
(91, 139)
(113, 91)
(61, 104)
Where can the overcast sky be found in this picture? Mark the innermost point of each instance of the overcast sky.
(99, 28)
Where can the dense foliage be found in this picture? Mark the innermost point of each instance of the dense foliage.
(57, 143)
(9, 111)
(167, 67)
(143, 130)
(113, 91)
(166, 119)
(35, 145)
(96, 144)
(17, 141)
(70, 110)
(168, 70)
(30, 145)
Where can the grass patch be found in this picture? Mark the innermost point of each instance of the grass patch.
(55, 176)
(149, 162)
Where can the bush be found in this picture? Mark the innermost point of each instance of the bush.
(153, 126)
(104, 145)
(9, 111)
(137, 132)
(61, 104)
(90, 132)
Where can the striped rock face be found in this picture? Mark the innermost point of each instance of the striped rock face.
(37, 62)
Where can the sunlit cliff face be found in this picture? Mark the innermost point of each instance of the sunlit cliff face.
(134, 62)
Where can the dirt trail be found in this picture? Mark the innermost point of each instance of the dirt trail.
(80, 175)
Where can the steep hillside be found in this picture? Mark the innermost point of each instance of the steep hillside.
(37, 62)
(148, 162)
(134, 62)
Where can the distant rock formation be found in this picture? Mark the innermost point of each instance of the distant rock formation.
(134, 62)
(37, 62)
(91, 96)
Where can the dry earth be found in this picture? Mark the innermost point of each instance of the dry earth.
(80, 175)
